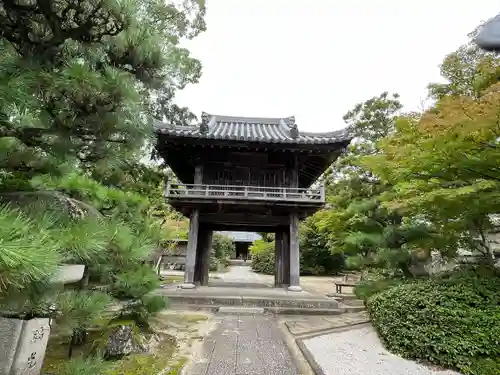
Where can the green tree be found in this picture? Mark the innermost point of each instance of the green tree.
(82, 84)
(468, 72)
(356, 223)
(315, 255)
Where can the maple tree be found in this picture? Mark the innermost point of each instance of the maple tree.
(444, 163)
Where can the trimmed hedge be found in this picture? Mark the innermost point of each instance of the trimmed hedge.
(453, 321)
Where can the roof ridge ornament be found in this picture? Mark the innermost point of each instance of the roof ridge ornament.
(294, 130)
(204, 123)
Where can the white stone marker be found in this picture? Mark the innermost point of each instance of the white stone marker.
(22, 345)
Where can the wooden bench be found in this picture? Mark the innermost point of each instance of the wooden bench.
(340, 284)
(172, 262)
(346, 282)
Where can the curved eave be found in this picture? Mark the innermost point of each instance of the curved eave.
(304, 138)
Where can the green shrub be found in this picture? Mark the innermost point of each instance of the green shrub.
(223, 246)
(224, 262)
(263, 257)
(483, 366)
(214, 264)
(312, 262)
(368, 288)
(452, 321)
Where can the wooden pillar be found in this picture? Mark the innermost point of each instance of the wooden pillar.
(207, 252)
(194, 223)
(199, 257)
(285, 249)
(203, 256)
(278, 259)
(294, 254)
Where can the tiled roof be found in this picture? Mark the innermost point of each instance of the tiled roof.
(269, 130)
(241, 236)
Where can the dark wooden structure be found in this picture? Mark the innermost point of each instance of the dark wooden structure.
(246, 174)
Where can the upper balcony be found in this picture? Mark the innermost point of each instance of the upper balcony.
(242, 194)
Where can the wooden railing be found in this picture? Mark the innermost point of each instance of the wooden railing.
(179, 191)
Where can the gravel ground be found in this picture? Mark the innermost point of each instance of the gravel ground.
(359, 352)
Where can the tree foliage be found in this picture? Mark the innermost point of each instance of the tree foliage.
(82, 84)
(447, 170)
(417, 184)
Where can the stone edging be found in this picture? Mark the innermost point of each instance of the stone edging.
(316, 368)
(309, 357)
(301, 362)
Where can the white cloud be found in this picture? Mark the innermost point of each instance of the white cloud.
(315, 59)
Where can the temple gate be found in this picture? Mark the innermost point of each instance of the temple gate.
(246, 174)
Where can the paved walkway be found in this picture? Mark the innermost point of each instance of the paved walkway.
(244, 344)
(243, 274)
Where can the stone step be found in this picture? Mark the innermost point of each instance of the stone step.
(302, 311)
(342, 297)
(241, 310)
(259, 310)
(253, 301)
(349, 308)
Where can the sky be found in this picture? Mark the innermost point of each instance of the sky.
(316, 59)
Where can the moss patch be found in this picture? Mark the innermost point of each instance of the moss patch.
(136, 364)
(177, 329)
(146, 364)
(172, 279)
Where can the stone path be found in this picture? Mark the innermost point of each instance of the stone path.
(243, 274)
(243, 344)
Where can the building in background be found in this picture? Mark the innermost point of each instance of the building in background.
(242, 242)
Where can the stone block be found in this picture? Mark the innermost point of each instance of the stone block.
(22, 345)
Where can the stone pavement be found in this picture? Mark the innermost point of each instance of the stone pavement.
(243, 344)
(244, 274)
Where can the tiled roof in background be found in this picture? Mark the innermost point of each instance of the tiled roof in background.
(269, 130)
(242, 236)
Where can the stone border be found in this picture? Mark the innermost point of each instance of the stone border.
(300, 361)
(309, 357)
(326, 331)
(306, 353)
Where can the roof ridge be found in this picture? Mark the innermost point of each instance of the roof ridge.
(325, 134)
(250, 119)
(254, 129)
